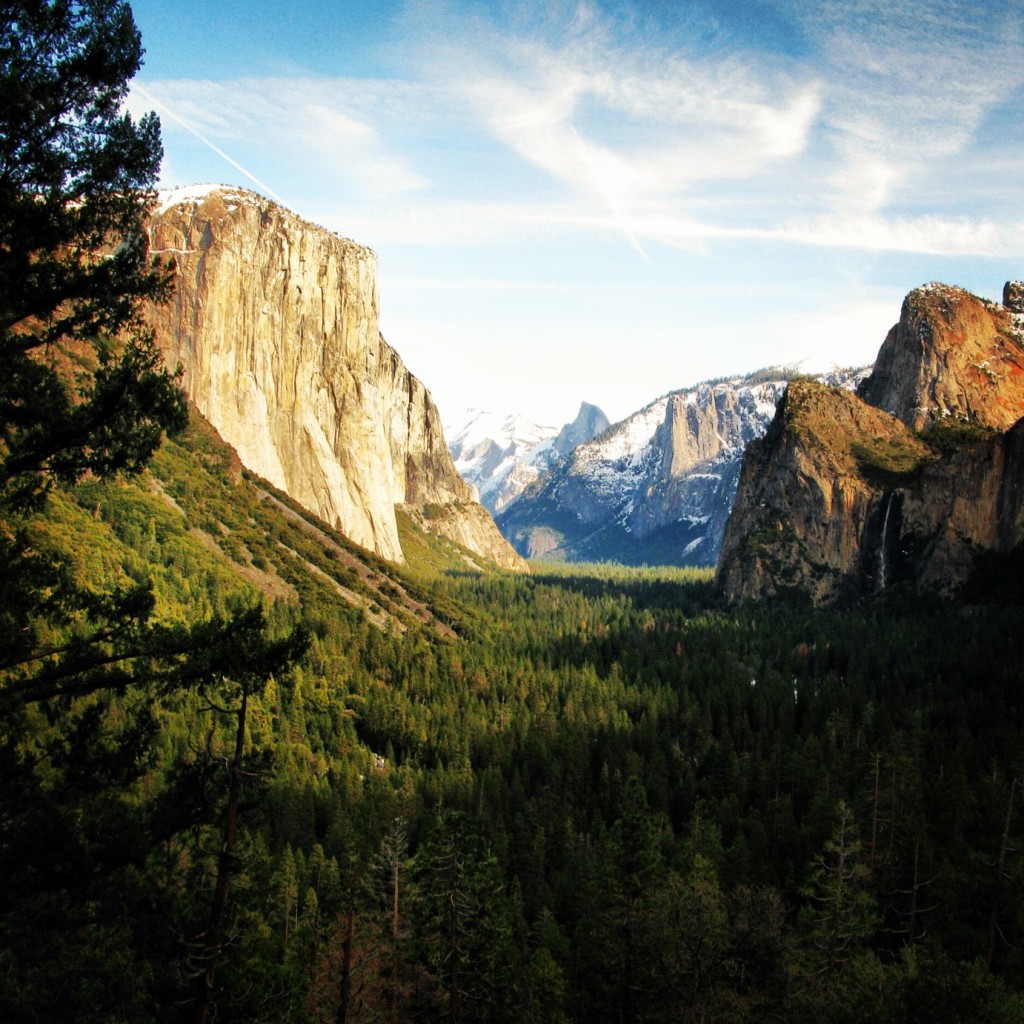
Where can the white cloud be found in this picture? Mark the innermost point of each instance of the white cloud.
(319, 122)
(932, 235)
(850, 135)
(472, 284)
(632, 125)
(910, 83)
(851, 145)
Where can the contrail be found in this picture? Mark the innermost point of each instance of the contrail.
(150, 98)
(614, 207)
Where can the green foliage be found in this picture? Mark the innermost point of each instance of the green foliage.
(642, 781)
(99, 802)
(887, 462)
(429, 554)
(83, 387)
(839, 913)
(948, 435)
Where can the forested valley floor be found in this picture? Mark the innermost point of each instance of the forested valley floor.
(585, 795)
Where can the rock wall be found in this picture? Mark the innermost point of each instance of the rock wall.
(275, 322)
(810, 497)
(963, 506)
(842, 500)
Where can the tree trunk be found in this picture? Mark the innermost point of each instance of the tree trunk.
(345, 983)
(212, 951)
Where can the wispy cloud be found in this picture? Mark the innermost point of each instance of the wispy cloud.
(850, 133)
(910, 83)
(626, 125)
(327, 123)
(849, 143)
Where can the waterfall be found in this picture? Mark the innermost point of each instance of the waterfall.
(884, 546)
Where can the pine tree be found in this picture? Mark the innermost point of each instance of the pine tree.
(840, 912)
(76, 182)
(82, 385)
(82, 390)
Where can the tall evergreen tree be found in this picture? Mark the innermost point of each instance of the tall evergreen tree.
(82, 384)
(76, 183)
(83, 390)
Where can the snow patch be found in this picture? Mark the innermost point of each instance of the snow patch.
(233, 196)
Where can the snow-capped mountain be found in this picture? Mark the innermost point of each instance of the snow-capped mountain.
(658, 486)
(502, 455)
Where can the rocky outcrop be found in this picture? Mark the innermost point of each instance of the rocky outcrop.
(842, 500)
(655, 488)
(950, 355)
(470, 527)
(275, 322)
(964, 506)
(811, 498)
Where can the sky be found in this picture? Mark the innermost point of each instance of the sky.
(605, 201)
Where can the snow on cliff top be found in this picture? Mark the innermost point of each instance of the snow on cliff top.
(196, 193)
(626, 437)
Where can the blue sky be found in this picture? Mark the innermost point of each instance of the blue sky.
(607, 201)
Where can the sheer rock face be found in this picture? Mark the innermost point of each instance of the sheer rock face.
(842, 500)
(967, 504)
(951, 354)
(590, 421)
(275, 322)
(805, 505)
(699, 445)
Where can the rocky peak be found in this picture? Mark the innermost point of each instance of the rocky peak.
(843, 499)
(1013, 296)
(951, 354)
(502, 456)
(589, 422)
(808, 490)
(275, 322)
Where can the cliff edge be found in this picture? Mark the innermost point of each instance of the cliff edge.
(911, 482)
(275, 322)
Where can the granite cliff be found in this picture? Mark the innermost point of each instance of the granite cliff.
(912, 482)
(951, 355)
(275, 322)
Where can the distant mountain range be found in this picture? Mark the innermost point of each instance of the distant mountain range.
(502, 455)
(655, 488)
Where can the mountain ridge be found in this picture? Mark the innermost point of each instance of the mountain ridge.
(656, 487)
(503, 455)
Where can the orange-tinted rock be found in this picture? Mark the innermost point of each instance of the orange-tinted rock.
(951, 354)
(811, 492)
(843, 499)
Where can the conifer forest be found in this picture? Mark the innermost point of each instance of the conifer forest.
(251, 773)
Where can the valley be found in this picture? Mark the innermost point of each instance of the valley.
(728, 729)
(595, 787)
